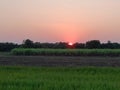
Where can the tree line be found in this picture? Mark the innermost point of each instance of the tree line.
(93, 44)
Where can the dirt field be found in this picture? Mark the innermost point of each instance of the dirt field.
(59, 61)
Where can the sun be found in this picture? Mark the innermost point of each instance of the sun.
(70, 44)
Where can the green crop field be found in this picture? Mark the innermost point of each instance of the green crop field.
(59, 78)
(67, 52)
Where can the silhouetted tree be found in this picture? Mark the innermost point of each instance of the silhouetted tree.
(110, 45)
(79, 45)
(61, 45)
(5, 47)
(116, 45)
(93, 44)
(28, 44)
(37, 45)
(47, 45)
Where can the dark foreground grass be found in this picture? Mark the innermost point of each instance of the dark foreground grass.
(55, 78)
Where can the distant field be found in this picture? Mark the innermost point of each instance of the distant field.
(66, 52)
(59, 78)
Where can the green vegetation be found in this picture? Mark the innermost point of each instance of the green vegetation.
(59, 78)
(4, 53)
(67, 52)
(92, 44)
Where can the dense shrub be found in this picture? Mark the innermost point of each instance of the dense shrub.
(5, 47)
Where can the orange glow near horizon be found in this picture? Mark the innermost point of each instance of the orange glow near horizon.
(59, 20)
(67, 32)
(70, 44)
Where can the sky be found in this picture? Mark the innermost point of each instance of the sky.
(59, 20)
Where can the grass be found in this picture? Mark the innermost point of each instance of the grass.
(4, 53)
(67, 52)
(59, 78)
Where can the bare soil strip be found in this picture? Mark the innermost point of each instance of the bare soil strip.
(59, 61)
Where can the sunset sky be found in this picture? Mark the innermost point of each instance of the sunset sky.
(59, 20)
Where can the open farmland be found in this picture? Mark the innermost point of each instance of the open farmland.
(62, 57)
(58, 69)
(58, 72)
(67, 61)
(59, 78)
